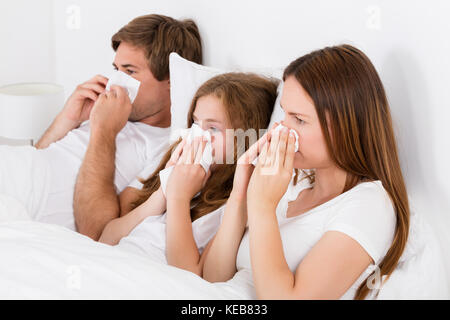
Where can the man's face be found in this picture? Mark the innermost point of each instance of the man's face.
(153, 95)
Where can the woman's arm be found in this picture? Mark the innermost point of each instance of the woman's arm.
(219, 261)
(327, 271)
(330, 267)
(121, 227)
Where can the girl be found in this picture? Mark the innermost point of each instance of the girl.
(342, 223)
(174, 225)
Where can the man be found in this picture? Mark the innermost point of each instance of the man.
(114, 150)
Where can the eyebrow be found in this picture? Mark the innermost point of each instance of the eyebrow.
(206, 120)
(125, 66)
(294, 113)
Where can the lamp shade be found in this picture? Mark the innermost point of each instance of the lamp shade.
(27, 109)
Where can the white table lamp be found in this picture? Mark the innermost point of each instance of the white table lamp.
(27, 109)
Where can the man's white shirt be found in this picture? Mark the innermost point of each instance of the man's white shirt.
(138, 146)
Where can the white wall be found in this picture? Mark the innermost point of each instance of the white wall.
(27, 37)
(406, 40)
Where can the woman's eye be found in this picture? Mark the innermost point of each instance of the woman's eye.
(130, 71)
(213, 129)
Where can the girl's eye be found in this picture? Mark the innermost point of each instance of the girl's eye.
(300, 121)
(213, 129)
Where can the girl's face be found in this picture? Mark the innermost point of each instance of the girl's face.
(210, 115)
(301, 115)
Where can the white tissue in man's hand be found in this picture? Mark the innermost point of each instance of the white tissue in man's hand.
(279, 128)
(206, 160)
(123, 80)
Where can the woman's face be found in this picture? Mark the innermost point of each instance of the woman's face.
(210, 115)
(301, 115)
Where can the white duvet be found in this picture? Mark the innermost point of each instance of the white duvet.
(42, 261)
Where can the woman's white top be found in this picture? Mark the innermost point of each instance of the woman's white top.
(365, 213)
(149, 237)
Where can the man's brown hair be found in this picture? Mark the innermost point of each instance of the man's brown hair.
(160, 35)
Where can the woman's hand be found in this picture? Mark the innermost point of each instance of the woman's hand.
(273, 172)
(188, 176)
(244, 169)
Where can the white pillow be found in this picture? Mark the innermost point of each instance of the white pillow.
(185, 79)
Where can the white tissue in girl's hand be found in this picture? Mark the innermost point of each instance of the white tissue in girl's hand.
(279, 128)
(206, 160)
(121, 79)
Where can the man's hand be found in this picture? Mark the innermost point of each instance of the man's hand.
(76, 110)
(110, 112)
(79, 105)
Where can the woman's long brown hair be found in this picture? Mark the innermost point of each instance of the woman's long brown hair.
(346, 88)
(248, 100)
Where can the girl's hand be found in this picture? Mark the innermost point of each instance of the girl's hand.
(176, 154)
(188, 176)
(273, 172)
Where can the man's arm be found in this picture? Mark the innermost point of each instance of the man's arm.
(95, 199)
(57, 130)
(75, 111)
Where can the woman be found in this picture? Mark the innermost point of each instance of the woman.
(173, 225)
(344, 225)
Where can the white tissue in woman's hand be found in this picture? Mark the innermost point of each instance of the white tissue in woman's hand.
(121, 79)
(206, 160)
(279, 128)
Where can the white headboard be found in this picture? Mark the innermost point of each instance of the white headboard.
(406, 40)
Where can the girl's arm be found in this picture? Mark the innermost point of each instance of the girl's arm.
(186, 180)
(121, 227)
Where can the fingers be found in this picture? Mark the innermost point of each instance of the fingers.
(250, 155)
(194, 149)
(120, 92)
(290, 154)
(270, 131)
(272, 151)
(200, 149)
(99, 79)
(282, 147)
(97, 88)
(192, 152)
(184, 152)
(177, 152)
(87, 93)
(263, 154)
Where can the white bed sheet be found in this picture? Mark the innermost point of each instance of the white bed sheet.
(43, 261)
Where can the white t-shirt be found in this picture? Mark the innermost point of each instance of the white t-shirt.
(138, 146)
(365, 213)
(149, 237)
